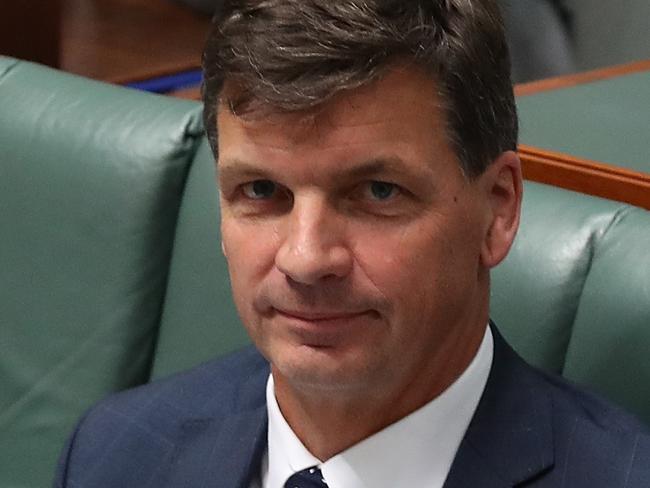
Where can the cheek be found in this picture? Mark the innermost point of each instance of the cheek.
(247, 258)
(416, 268)
(397, 263)
(250, 254)
(248, 247)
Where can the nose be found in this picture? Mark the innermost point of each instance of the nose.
(313, 246)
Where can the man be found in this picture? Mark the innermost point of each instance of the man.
(368, 182)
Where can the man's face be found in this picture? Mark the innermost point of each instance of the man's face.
(356, 248)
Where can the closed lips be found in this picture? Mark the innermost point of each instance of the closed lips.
(320, 317)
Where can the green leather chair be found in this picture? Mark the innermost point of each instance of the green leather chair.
(91, 181)
(112, 274)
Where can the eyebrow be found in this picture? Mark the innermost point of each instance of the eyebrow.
(233, 169)
(236, 168)
(370, 167)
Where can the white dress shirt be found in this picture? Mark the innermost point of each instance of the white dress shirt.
(417, 450)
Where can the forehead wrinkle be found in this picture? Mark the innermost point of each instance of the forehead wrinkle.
(317, 136)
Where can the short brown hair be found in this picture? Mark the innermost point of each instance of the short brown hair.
(294, 55)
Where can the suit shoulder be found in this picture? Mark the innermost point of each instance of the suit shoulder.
(137, 428)
(592, 432)
(234, 382)
(585, 439)
(571, 403)
(575, 401)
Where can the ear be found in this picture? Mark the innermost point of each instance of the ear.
(503, 187)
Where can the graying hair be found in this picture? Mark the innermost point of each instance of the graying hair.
(295, 55)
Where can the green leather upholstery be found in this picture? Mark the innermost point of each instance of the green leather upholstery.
(112, 272)
(537, 289)
(613, 316)
(91, 178)
(199, 320)
(573, 296)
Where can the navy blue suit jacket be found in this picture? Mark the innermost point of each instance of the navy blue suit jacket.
(207, 428)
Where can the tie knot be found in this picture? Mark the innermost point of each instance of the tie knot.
(307, 478)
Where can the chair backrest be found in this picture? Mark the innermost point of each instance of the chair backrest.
(91, 179)
(573, 296)
(199, 321)
(536, 290)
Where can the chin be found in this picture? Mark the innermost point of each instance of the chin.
(325, 369)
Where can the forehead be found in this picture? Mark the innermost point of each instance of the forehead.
(399, 113)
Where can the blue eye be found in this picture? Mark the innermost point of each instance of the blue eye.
(259, 189)
(381, 190)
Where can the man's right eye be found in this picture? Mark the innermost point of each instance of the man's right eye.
(259, 189)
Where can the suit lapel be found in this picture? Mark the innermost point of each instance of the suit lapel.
(221, 454)
(510, 438)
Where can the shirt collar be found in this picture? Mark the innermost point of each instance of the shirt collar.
(417, 450)
(286, 454)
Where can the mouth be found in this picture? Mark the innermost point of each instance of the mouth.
(321, 317)
(325, 329)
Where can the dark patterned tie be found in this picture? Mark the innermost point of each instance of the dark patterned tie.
(307, 478)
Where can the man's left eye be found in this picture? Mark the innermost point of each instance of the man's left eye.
(259, 189)
(381, 190)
